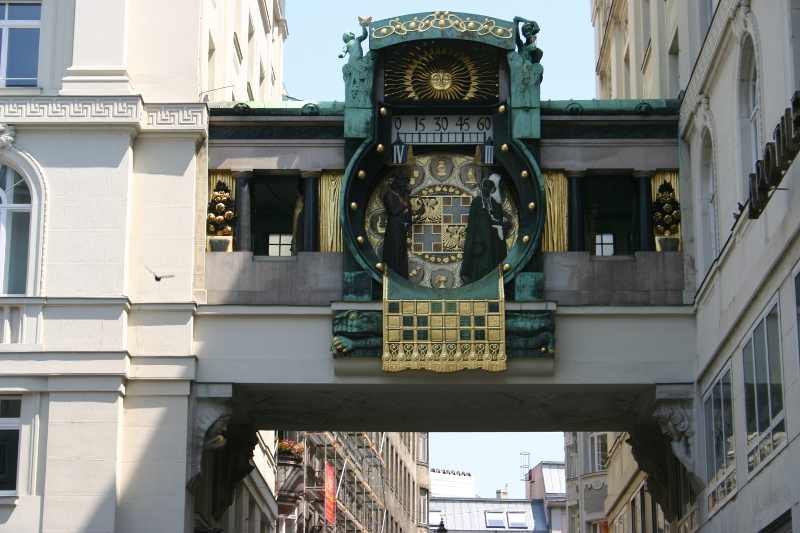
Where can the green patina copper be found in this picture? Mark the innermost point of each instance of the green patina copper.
(442, 25)
(529, 334)
(529, 287)
(526, 78)
(611, 107)
(359, 76)
(357, 334)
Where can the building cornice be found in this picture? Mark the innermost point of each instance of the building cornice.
(128, 111)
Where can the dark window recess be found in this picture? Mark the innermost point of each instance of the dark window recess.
(610, 214)
(9, 449)
(277, 215)
(783, 524)
(10, 408)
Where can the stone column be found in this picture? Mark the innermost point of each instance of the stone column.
(99, 49)
(310, 211)
(576, 231)
(243, 236)
(645, 216)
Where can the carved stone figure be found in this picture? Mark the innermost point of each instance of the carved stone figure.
(484, 245)
(357, 334)
(397, 203)
(358, 71)
(8, 135)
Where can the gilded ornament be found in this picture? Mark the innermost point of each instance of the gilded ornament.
(362, 174)
(383, 111)
(531, 206)
(228, 215)
(211, 217)
(526, 239)
(353, 206)
(379, 267)
(360, 239)
(502, 108)
(442, 20)
(220, 207)
(525, 174)
(431, 72)
(219, 219)
(227, 230)
(506, 267)
(504, 148)
(380, 148)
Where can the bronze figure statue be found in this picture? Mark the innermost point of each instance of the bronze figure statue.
(485, 245)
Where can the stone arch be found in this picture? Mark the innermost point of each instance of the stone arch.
(29, 169)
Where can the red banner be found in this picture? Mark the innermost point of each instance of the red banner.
(330, 495)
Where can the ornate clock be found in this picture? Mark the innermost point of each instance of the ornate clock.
(442, 201)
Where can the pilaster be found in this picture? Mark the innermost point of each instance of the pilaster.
(99, 50)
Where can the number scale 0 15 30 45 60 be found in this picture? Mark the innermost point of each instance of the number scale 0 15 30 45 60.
(442, 129)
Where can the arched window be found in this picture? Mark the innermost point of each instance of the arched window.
(750, 102)
(709, 240)
(15, 230)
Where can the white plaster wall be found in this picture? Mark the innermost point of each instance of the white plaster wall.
(164, 49)
(152, 466)
(83, 453)
(87, 173)
(162, 221)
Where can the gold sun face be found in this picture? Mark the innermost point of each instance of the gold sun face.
(441, 81)
(431, 72)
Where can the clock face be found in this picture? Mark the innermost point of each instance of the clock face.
(443, 187)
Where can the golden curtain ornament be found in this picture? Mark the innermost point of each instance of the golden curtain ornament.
(671, 177)
(330, 230)
(226, 177)
(554, 236)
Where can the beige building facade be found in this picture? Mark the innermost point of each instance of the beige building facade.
(734, 65)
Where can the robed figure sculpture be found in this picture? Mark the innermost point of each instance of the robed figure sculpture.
(484, 245)
(396, 201)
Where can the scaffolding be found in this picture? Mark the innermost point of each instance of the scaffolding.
(359, 467)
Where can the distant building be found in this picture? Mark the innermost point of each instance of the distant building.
(587, 486)
(488, 514)
(452, 483)
(547, 482)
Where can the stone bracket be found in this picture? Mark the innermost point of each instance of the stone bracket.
(674, 414)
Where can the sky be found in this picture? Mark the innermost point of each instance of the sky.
(493, 459)
(313, 70)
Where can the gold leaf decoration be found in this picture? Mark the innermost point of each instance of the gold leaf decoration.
(443, 20)
(425, 72)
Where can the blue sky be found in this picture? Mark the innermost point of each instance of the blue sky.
(494, 458)
(313, 72)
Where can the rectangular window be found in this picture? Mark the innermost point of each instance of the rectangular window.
(720, 459)
(494, 519)
(422, 448)
(279, 245)
(423, 506)
(19, 43)
(598, 449)
(604, 244)
(9, 444)
(763, 382)
(517, 520)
